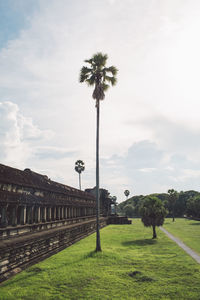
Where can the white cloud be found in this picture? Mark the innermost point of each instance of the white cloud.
(15, 133)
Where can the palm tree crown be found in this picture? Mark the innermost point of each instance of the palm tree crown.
(97, 74)
(79, 166)
(126, 193)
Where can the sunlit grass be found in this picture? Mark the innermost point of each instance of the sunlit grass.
(131, 266)
(188, 231)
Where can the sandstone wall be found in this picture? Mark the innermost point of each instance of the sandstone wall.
(18, 253)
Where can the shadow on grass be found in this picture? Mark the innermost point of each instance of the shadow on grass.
(144, 242)
(91, 254)
(195, 223)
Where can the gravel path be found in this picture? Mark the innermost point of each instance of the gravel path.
(182, 245)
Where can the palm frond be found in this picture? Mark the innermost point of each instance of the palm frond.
(86, 70)
(91, 80)
(112, 69)
(99, 59)
(105, 86)
(89, 61)
(84, 73)
(111, 79)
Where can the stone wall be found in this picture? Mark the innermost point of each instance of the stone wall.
(39, 217)
(18, 253)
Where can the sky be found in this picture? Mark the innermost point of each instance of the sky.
(149, 121)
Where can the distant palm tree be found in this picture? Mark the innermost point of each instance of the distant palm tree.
(79, 167)
(97, 75)
(172, 198)
(126, 193)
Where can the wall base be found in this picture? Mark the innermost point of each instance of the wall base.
(18, 253)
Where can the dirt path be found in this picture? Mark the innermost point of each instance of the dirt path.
(182, 245)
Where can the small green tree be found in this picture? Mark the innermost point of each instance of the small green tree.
(172, 198)
(152, 213)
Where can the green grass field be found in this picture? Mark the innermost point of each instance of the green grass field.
(131, 266)
(188, 231)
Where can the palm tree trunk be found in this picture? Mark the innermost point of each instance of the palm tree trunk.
(80, 181)
(98, 243)
(154, 232)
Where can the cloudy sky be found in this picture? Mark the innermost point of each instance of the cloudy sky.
(150, 124)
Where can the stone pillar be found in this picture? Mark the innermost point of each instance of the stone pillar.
(3, 218)
(37, 214)
(29, 214)
(58, 212)
(23, 215)
(65, 212)
(48, 213)
(54, 213)
(14, 216)
(62, 212)
(44, 215)
(69, 212)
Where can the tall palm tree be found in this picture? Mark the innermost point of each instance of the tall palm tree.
(79, 167)
(99, 76)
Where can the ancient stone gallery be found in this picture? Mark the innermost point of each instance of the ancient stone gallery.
(39, 217)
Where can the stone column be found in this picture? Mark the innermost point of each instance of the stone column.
(48, 213)
(44, 215)
(69, 212)
(61, 212)
(14, 216)
(54, 213)
(37, 214)
(3, 219)
(30, 214)
(65, 212)
(23, 215)
(58, 212)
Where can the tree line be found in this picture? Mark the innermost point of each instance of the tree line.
(177, 204)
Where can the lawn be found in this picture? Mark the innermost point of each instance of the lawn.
(131, 266)
(188, 231)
